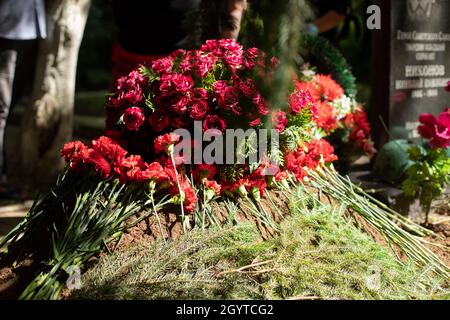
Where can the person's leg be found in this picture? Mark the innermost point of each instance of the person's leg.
(8, 60)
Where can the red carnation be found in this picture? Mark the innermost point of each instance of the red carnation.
(109, 149)
(101, 165)
(330, 89)
(75, 153)
(133, 118)
(188, 194)
(309, 86)
(165, 142)
(212, 185)
(326, 119)
(204, 171)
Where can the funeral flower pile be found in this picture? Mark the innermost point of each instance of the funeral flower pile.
(217, 86)
(340, 119)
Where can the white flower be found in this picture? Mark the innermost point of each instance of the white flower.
(343, 106)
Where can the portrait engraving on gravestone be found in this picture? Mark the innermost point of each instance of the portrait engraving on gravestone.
(419, 63)
(420, 9)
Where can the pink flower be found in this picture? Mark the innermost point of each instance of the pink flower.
(279, 120)
(133, 118)
(255, 122)
(437, 130)
(300, 100)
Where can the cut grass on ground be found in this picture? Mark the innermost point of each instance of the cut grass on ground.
(317, 254)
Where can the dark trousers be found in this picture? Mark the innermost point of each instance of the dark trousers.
(17, 64)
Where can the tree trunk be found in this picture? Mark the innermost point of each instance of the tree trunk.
(48, 122)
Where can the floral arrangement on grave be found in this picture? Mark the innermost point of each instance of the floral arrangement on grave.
(341, 120)
(429, 173)
(169, 125)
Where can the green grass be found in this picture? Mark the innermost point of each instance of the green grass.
(317, 253)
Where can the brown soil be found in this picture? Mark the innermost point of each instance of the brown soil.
(14, 280)
(442, 238)
(149, 229)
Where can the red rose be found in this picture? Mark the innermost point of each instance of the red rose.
(179, 104)
(213, 122)
(255, 122)
(234, 60)
(228, 97)
(212, 46)
(199, 63)
(199, 94)
(248, 88)
(133, 118)
(447, 88)
(253, 57)
(219, 87)
(159, 121)
(175, 84)
(179, 122)
(199, 110)
(163, 65)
